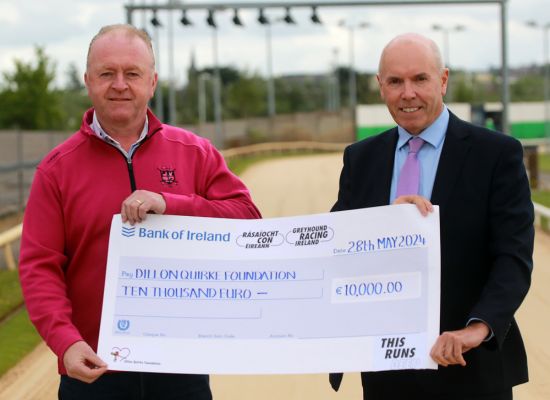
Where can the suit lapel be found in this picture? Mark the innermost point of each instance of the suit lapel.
(453, 155)
(382, 177)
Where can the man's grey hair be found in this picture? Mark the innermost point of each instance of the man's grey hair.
(129, 30)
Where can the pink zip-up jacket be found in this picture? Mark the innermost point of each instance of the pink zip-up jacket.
(77, 189)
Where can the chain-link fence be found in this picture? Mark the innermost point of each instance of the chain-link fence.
(20, 152)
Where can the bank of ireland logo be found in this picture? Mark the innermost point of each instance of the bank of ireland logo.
(120, 354)
(128, 231)
(123, 324)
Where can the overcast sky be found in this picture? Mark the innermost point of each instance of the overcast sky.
(65, 27)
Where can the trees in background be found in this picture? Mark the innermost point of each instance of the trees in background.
(244, 93)
(29, 99)
(74, 99)
(528, 88)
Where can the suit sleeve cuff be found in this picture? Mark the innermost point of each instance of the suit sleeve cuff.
(491, 333)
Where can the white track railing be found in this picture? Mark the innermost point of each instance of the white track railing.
(7, 239)
(542, 217)
(281, 147)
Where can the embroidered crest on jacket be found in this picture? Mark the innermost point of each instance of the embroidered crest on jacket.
(168, 176)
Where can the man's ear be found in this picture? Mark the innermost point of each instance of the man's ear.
(444, 80)
(86, 81)
(380, 85)
(154, 86)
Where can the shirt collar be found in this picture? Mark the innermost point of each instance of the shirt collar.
(98, 130)
(433, 134)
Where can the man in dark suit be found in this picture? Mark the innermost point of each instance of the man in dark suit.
(478, 180)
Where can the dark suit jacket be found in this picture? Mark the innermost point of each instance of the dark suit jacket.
(487, 237)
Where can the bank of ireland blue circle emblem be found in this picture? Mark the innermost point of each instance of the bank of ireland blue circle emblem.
(123, 324)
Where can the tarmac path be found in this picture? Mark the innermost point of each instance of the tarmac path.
(307, 185)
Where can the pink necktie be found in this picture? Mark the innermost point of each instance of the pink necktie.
(409, 177)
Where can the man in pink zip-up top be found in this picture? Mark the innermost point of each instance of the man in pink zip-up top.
(122, 160)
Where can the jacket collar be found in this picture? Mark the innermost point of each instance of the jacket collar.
(154, 123)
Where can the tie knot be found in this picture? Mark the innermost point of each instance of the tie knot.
(415, 144)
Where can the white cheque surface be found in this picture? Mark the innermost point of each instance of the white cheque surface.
(346, 291)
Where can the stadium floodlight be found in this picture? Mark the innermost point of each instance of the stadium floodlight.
(210, 19)
(288, 18)
(184, 20)
(314, 16)
(236, 20)
(262, 19)
(155, 21)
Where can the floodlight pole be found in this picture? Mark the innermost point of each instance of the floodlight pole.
(545, 31)
(159, 105)
(352, 73)
(203, 77)
(171, 78)
(447, 51)
(504, 67)
(545, 28)
(271, 106)
(217, 91)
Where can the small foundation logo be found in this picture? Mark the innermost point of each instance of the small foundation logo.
(168, 176)
(128, 231)
(123, 324)
(120, 354)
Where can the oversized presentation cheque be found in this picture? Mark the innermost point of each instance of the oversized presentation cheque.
(345, 291)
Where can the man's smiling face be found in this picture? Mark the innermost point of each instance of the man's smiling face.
(120, 78)
(412, 83)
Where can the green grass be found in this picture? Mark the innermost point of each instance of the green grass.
(239, 165)
(17, 338)
(541, 197)
(10, 292)
(544, 162)
(17, 335)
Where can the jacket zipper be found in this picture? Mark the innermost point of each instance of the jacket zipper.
(129, 163)
(131, 173)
